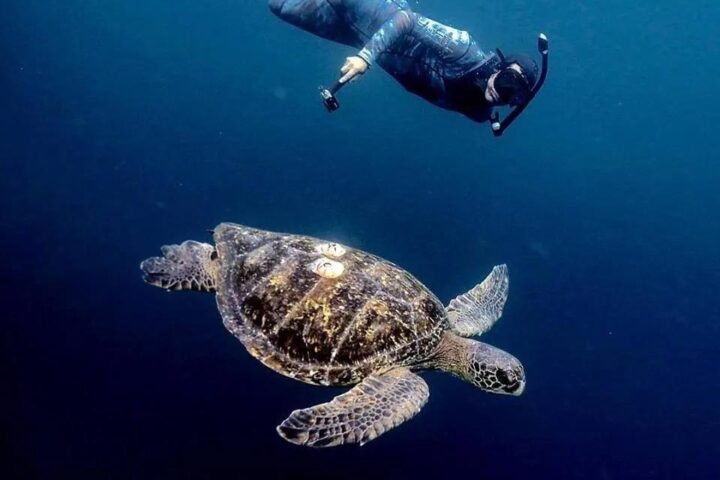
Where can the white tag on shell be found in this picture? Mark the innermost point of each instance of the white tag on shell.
(333, 250)
(327, 268)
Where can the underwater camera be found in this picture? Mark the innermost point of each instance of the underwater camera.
(328, 96)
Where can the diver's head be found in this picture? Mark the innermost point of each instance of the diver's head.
(512, 83)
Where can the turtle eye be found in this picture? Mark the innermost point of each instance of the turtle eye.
(503, 377)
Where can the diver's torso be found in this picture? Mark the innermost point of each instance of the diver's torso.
(427, 60)
(443, 48)
(430, 57)
(365, 17)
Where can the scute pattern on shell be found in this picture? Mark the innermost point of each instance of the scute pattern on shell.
(327, 331)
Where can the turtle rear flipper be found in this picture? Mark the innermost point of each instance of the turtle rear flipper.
(189, 266)
(475, 312)
(374, 406)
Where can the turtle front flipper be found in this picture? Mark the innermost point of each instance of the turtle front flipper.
(189, 266)
(475, 312)
(377, 404)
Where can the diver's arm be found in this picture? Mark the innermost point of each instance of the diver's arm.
(400, 24)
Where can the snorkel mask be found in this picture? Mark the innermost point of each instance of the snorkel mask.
(514, 89)
(511, 83)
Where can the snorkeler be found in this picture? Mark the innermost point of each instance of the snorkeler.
(443, 65)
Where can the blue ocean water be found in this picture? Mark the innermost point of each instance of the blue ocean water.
(129, 124)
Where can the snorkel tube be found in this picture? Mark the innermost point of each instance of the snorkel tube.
(499, 126)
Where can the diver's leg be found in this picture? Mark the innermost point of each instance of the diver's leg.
(315, 16)
(304, 13)
(275, 5)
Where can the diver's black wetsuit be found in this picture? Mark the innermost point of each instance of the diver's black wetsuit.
(428, 58)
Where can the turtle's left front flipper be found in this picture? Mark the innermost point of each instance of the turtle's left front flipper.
(475, 312)
(374, 406)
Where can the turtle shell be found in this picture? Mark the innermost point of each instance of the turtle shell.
(320, 312)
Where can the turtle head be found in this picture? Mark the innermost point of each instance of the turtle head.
(189, 266)
(494, 370)
(488, 368)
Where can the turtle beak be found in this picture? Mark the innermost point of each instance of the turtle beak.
(515, 381)
(514, 389)
(520, 375)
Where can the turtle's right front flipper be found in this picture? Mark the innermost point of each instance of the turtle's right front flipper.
(475, 312)
(189, 266)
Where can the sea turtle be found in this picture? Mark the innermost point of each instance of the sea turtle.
(327, 314)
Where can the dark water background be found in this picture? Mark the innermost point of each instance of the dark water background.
(128, 124)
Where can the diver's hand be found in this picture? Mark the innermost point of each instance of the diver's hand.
(354, 66)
